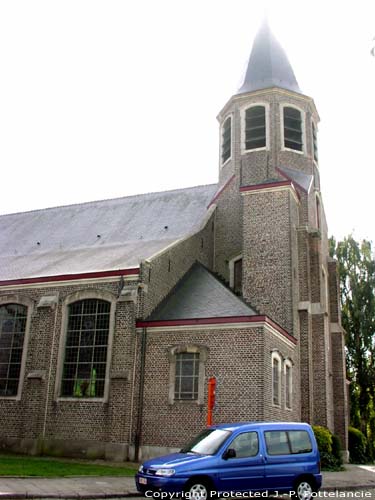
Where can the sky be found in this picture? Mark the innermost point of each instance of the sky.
(102, 99)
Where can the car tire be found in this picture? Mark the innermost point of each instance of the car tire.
(198, 489)
(304, 489)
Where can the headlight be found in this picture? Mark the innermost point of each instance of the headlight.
(140, 469)
(165, 472)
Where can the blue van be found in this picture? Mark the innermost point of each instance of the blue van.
(267, 457)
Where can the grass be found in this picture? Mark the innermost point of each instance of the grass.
(20, 465)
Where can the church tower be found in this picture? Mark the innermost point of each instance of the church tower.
(279, 261)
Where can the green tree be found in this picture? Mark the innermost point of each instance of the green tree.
(356, 267)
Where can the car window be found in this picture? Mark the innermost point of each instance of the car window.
(207, 442)
(287, 442)
(245, 444)
(300, 441)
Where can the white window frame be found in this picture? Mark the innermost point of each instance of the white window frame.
(314, 125)
(288, 364)
(29, 304)
(70, 299)
(181, 349)
(303, 127)
(230, 116)
(243, 110)
(276, 357)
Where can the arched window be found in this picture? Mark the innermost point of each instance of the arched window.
(318, 220)
(235, 274)
(255, 127)
(13, 319)
(276, 379)
(86, 349)
(292, 129)
(186, 380)
(288, 383)
(314, 141)
(226, 140)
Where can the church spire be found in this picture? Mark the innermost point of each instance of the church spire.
(268, 65)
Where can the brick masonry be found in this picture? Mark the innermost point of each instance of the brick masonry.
(281, 233)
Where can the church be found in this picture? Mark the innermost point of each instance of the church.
(115, 314)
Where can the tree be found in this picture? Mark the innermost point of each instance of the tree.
(356, 268)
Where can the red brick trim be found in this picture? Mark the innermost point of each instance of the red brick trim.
(70, 277)
(220, 191)
(216, 321)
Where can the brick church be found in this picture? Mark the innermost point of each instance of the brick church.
(114, 314)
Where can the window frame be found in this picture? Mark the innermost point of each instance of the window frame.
(288, 365)
(70, 299)
(303, 128)
(172, 356)
(314, 143)
(228, 117)
(232, 263)
(243, 110)
(29, 304)
(276, 357)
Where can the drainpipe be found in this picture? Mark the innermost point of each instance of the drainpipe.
(138, 432)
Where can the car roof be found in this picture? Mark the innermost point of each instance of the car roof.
(263, 425)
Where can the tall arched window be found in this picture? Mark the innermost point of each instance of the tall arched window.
(226, 140)
(13, 319)
(276, 379)
(292, 129)
(255, 127)
(314, 141)
(86, 349)
(288, 383)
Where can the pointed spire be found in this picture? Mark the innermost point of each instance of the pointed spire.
(268, 65)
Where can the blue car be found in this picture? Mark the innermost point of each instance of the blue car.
(267, 457)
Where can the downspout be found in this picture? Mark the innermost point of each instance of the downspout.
(138, 432)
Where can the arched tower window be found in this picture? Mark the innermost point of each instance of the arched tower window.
(292, 128)
(255, 127)
(314, 141)
(318, 219)
(86, 348)
(226, 140)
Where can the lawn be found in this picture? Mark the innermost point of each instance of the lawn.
(20, 465)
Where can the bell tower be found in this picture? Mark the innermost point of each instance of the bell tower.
(269, 156)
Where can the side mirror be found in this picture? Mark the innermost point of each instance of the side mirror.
(229, 453)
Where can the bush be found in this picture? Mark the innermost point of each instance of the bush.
(357, 446)
(323, 438)
(329, 447)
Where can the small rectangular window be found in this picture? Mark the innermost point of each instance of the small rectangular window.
(187, 376)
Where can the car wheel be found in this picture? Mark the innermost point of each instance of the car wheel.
(198, 490)
(304, 489)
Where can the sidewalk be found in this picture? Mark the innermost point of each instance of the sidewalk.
(353, 478)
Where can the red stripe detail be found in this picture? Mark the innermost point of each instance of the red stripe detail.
(255, 187)
(70, 277)
(220, 191)
(216, 321)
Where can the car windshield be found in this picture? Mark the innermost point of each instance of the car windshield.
(207, 442)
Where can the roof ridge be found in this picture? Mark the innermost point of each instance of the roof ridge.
(92, 202)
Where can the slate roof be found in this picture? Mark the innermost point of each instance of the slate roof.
(199, 294)
(98, 236)
(301, 179)
(268, 65)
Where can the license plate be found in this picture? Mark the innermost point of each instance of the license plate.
(142, 480)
